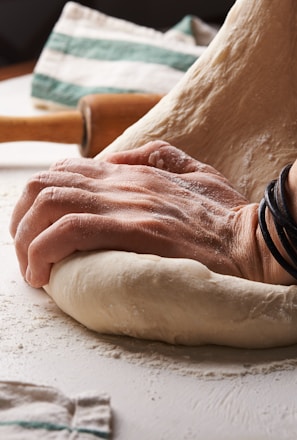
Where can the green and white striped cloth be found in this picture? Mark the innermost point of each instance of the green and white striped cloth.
(91, 52)
(34, 412)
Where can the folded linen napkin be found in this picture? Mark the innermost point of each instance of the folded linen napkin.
(90, 52)
(29, 412)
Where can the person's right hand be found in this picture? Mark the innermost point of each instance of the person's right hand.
(154, 199)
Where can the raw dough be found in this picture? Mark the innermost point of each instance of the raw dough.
(235, 109)
(177, 300)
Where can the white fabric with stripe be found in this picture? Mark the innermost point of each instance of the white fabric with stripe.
(91, 52)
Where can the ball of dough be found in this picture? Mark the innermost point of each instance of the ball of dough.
(175, 300)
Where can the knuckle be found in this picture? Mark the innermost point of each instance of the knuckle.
(35, 251)
(71, 164)
(70, 223)
(61, 164)
(47, 197)
(37, 182)
(162, 155)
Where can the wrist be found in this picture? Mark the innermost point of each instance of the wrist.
(278, 228)
(271, 271)
(254, 259)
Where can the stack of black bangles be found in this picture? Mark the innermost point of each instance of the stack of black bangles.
(275, 200)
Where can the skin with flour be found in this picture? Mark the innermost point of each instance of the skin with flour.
(235, 110)
(200, 218)
(154, 200)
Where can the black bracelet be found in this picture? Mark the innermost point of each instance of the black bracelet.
(275, 200)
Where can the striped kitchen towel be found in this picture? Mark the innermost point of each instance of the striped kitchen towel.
(34, 412)
(90, 52)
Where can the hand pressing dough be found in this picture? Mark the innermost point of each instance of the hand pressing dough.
(235, 109)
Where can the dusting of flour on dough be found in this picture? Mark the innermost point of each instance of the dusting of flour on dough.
(36, 319)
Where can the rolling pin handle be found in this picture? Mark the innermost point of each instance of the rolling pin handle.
(107, 116)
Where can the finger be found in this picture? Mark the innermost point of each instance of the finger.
(91, 168)
(135, 156)
(86, 232)
(162, 155)
(49, 206)
(44, 180)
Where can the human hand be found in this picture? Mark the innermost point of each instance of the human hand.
(154, 199)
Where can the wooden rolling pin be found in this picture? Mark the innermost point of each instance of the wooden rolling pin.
(96, 122)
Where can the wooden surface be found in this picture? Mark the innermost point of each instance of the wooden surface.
(15, 70)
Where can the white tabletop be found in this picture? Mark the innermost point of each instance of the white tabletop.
(157, 391)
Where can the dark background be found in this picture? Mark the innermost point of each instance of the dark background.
(26, 24)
